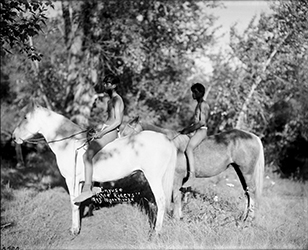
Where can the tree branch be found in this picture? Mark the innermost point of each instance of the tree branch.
(258, 80)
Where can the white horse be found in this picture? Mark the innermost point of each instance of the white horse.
(150, 152)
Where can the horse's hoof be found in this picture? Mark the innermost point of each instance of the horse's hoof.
(153, 234)
(176, 217)
(75, 231)
(185, 189)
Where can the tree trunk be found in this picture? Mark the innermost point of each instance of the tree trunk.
(241, 118)
(207, 91)
(82, 65)
(40, 92)
(66, 13)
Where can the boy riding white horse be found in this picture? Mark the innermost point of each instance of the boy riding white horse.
(106, 134)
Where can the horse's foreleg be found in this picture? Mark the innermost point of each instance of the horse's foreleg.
(177, 198)
(177, 210)
(179, 175)
(75, 228)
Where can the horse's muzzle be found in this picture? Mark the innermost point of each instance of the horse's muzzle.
(17, 140)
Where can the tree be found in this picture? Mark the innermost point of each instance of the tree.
(149, 44)
(274, 57)
(19, 22)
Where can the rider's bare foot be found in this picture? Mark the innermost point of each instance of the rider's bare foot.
(85, 194)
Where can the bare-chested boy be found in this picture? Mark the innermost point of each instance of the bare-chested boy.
(107, 133)
(197, 129)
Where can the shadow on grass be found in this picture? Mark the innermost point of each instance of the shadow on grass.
(133, 189)
(40, 171)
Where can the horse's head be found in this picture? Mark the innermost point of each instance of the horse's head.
(29, 126)
(132, 127)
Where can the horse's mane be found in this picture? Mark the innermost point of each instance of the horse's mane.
(69, 125)
(150, 126)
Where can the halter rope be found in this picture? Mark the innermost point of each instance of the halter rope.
(36, 141)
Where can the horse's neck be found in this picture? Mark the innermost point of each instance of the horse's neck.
(181, 142)
(55, 126)
(64, 138)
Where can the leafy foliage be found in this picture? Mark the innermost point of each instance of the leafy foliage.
(274, 55)
(19, 21)
(149, 44)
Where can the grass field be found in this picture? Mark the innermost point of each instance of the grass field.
(35, 214)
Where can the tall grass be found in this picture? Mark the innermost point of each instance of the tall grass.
(32, 219)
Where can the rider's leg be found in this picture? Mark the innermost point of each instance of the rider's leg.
(86, 192)
(193, 143)
(87, 160)
(94, 147)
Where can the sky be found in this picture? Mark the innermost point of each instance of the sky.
(233, 12)
(240, 12)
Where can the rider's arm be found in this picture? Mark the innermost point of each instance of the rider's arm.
(193, 127)
(199, 121)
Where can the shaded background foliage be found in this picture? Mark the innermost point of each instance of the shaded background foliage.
(259, 85)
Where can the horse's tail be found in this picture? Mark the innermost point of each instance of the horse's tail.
(169, 176)
(259, 171)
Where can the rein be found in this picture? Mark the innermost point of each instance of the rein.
(36, 141)
(175, 136)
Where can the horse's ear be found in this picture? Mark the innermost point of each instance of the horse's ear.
(135, 120)
(34, 103)
(31, 104)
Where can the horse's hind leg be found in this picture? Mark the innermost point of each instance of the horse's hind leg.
(160, 199)
(248, 207)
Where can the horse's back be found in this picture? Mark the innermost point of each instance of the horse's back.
(217, 151)
(144, 140)
(232, 135)
(135, 152)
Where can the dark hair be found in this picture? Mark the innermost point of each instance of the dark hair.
(99, 87)
(111, 79)
(198, 87)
